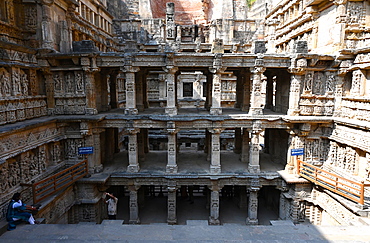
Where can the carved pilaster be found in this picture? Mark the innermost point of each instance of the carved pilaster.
(93, 140)
(170, 22)
(133, 156)
(171, 149)
(171, 90)
(91, 92)
(252, 218)
(295, 87)
(216, 70)
(214, 205)
(215, 151)
(257, 101)
(254, 159)
(171, 204)
(131, 91)
(134, 205)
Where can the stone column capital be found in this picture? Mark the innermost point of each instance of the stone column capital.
(297, 70)
(170, 69)
(257, 70)
(172, 131)
(132, 131)
(215, 130)
(130, 69)
(217, 70)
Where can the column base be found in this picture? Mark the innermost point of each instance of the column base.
(134, 221)
(131, 111)
(213, 221)
(215, 111)
(255, 111)
(251, 221)
(172, 111)
(133, 168)
(171, 169)
(215, 169)
(91, 111)
(254, 168)
(172, 221)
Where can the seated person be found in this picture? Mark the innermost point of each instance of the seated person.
(16, 211)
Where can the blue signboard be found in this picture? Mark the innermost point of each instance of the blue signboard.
(298, 151)
(85, 150)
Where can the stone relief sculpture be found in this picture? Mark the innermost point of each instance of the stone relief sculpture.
(57, 82)
(356, 82)
(17, 88)
(24, 84)
(354, 12)
(5, 85)
(308, 82)
(79, 82)
(69, 83)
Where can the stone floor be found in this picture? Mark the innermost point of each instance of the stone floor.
(191, 162)
(194, 231)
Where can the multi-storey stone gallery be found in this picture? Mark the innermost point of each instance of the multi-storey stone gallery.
(264, 102)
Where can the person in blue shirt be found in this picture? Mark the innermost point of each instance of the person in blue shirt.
(17, 210)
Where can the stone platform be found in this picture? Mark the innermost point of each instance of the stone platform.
(194, 231)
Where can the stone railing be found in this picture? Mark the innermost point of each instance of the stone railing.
(19, 109)
(316, 106)
(355, 108)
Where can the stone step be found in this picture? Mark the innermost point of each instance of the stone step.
(115, 231)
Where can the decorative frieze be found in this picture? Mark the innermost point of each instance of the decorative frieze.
(335, 209)
(358, 109)
(356, 138)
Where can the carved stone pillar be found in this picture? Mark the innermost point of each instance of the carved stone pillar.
(295, 141)
(134, 205)
(215, 151)
(170, 22)
(339, 92)
(133, 156)
(131, 91)
(214, 206)
(171, 205)
(244, 157)
(49, 84)
(91, 104)
(254, 157)
(171, 149)
(171, 90)
(253, 204)
(257, 101)
(92, 139)
(47, 39)
(295, 93)
(216, 108)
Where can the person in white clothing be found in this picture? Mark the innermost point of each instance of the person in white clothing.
(112, 205)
